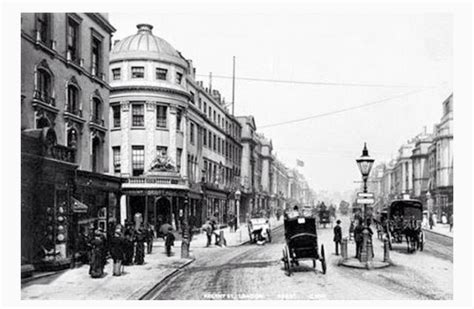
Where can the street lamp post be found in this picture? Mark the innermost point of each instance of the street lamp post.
(237, 205)
(365, 163)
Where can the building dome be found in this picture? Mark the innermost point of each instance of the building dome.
(145, 45)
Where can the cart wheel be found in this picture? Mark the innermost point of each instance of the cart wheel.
(287, 261)
(422, 240)
(323, 259)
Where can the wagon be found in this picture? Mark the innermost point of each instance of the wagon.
(259, 229)
(301, 243)
(324, 218)
(404, 220)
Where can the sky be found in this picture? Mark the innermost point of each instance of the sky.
(346, 55)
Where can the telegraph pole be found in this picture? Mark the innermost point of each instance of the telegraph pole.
(233, 85)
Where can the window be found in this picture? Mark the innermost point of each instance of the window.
(191, 133)
(73, 100)
(95, 57)
(210, 140)
(199, 103)
(97, 111)
(218, 120)
(44, 86)
(214, 146)
(179, 77)
(219, 145)
(161, 74)
(161, 116)
(96, 155)
(214, 116)
(72, 40)
(116, 158)
(138, 115)
(178, 120)
(192, 97)
(138, 72)
(205, 107)
(204, 137)
(116, 113)
(210, 113)
(43, 27)
(116, 74)
(179, 151)
(138, 160)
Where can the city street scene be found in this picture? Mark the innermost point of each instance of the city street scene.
(272, 154)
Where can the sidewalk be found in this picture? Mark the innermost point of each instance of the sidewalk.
(76, 284)
(442, 229)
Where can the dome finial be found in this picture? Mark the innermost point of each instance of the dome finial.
(144, 28)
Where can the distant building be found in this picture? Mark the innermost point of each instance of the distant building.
(65, 137)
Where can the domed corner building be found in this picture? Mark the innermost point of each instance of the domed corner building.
(173, 142)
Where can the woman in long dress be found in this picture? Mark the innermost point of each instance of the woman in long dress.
(97, 244)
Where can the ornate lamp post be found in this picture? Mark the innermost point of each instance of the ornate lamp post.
(365, 163)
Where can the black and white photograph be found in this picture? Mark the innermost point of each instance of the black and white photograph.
(239, 151)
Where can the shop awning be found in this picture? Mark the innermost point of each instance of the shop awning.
(78, 206)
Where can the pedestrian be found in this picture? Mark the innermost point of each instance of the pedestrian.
(235, 223)
(451, 223)
(369, 241)
(337, 236)
(149, 238)
(128, 246)
(231, 222)
(358, 237)
(431, 222)
(97, 243)
(117, 250)
(169, 242)
(140, 238)
(207, 228)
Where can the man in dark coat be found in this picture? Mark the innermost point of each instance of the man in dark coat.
(150, 234)
(140, 237)
(358, 237)
(169, 242)
(97, 244)
(128, 246)
(117, 250)
(337, 236)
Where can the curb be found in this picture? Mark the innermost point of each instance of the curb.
(147, 295)
(437, 233)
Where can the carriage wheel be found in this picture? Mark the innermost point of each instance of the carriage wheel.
(422, 240)
(323, 259)
(286, 261)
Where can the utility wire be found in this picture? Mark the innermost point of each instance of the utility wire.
(341, 110)
(314, 83)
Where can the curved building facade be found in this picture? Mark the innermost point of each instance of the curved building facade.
(170, 138)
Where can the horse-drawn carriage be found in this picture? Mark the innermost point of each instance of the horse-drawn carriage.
(324, 217)
(259, 229)
(404, 218)
(301, 243)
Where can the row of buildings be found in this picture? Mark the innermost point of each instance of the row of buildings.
(111, 131)
(423, 169)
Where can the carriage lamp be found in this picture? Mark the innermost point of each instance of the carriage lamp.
(365, 163)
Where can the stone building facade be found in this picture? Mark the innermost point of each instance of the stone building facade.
(172, 140)
(64, 103)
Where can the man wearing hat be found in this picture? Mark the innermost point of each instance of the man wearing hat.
(337, 235)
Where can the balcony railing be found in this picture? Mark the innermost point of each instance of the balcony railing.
(62, 153)
(154, 180)
(44, 97)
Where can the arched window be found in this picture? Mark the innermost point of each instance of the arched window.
(97, 111)
(43, 90)
(73, 100)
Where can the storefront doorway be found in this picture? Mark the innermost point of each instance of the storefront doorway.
(162, 212)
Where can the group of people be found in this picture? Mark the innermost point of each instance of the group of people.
(124, 244)
(210, 228)
(355, 231)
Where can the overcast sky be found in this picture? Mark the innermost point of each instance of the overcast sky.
(311, 44)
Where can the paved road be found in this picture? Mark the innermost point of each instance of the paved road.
(255, 272)
(439, 245)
